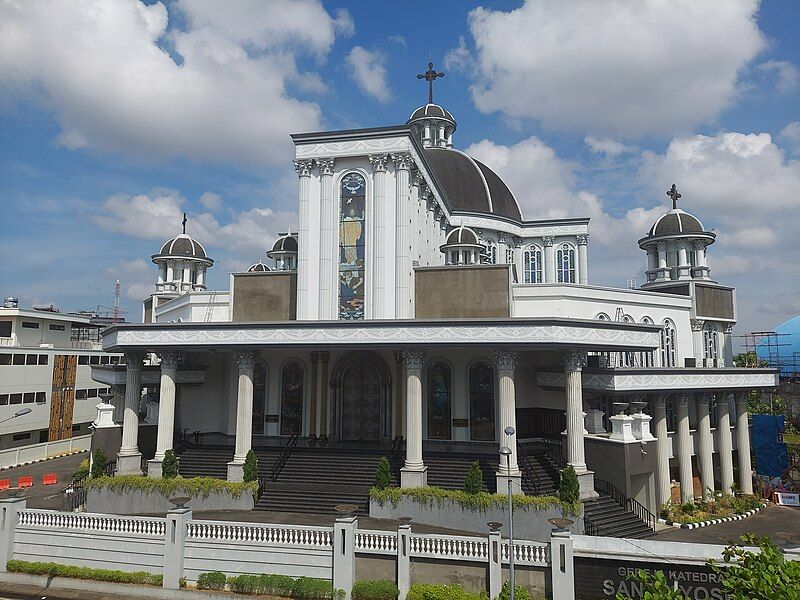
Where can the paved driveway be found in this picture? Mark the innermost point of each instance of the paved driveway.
(44, 496)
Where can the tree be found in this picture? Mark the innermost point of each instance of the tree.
(473, 482)
(654, 587)
(250, 469)
(383, 477)
(169, 466)
(569, 490)
(99, 462)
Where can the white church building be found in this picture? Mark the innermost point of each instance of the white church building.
(416, 302)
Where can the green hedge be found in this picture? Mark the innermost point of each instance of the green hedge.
(482, 501)
(426, 591)
(57, 570)
(302, 588)
(212, 581)
(374, 590)
(194, 486)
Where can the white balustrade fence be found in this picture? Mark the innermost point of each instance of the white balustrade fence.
(448, 546)
(23, 454)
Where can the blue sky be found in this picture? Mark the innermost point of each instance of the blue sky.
(118, 116)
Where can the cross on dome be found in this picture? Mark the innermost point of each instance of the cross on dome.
(184, 222)
(430, 75)
(673, 193)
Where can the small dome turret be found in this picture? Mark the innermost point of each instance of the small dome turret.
(433, 125)
(462, 247)
(182, 263)
(259, 267)
(284, 252)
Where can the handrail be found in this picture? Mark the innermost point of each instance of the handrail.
(182, 437)
(262, 486)
(394, 454)
(634, 506)
(629, 504)
(553, 451)
(529, 476)
(609, 489)
(284, 456)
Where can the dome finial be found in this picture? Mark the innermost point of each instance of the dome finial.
(673, 193)
(430, 75)
(184, 223)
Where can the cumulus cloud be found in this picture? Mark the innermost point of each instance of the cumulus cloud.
(790, 135)
(211, 200)
(607, 146)
(116, 77)
(368, 70)
(787, 75)
(135, 277)
(624, 70)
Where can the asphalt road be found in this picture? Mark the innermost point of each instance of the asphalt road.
(44, 496)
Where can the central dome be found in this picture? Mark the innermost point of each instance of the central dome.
(471, 186)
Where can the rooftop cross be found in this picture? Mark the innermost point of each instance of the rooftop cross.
(673, 193)
(429, 76)
(184, 222)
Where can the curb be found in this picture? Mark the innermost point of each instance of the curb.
(33, 462)
(714, 521)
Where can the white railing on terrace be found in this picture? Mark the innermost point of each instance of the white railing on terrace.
(77, 345)
(22, 454)
(449, 546)
(8, 341)
(527, 552)
(95, 523)
(378, 542)
(284, 535)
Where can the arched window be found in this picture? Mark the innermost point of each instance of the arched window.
(352, 214)
(565, 264)
(532, 264)
(509, 254)
(668, 344)
(292, 398)
(647, 359)
(481, 402)
(626, 359)
(603, 317)
(439, 393)
(710, 342)
(491, 252)
(260, 387)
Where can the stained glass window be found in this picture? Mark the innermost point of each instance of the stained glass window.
(532, 259)
(565, 264)
(351, 246)
(438, 393)
(668, 344)
(292, 398)
(259, 397)
(481, 402)
(710, 341)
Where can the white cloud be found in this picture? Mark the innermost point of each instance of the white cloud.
(607, 146)
(459, 58)
(368, 70)
(211, 200)
(136, 278)
(101, 69)
(787, 75)
(624, 70)
(790, 135)
(400, 40)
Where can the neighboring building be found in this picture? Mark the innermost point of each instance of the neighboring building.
(45, 365)
(416, 301)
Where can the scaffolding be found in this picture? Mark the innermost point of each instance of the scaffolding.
(772, 349)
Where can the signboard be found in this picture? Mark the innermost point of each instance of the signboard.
(460, 422)
(600, 579)
(788, 499)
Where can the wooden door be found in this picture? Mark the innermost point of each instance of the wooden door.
(361, 397)
(62, 398)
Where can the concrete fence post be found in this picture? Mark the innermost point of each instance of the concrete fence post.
(403, 559)
(9, 518)
(562, 570)
(344, 555)
(175, 546)
(495, 564)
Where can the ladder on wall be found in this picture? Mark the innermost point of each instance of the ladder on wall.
(210, 308)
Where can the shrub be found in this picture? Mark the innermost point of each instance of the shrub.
(251, 466)
(383, 477)
(520, 592)
(82, 470)
(58, 570)
(169, 466)
(473, 482)
(193, 486)
(374, 590)
(569, 490)
(211, 581)
(312, 588)
(425, 591)
(99, 462)
(482, 501)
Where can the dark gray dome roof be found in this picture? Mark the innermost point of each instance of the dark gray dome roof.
(184, 246)
(258, 267)
(461, 236)
(676, 222)
(471, 186)
(430, 111)
(286, 243)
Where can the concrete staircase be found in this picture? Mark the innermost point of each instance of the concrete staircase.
(604, 516)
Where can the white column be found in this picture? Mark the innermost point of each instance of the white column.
(327, 254)
(402, 250)
(506, 364)
(684, 267)
(663, 271)
(583, 259)
(246, 361)
(549, 259)
(573, 363)
(663, 488)
(705, 450)
(129, 459)
(697, 341)
(725, 443)
(304, 258)
(414, 472)
(379, 234)
(684, 449)
(743, 444)
(166, 411)
(652, 258)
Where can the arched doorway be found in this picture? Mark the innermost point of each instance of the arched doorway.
(361, 387)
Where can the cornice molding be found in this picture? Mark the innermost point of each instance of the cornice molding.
(652, 382)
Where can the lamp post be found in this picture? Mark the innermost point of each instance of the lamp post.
(19, 413)
(506, 451)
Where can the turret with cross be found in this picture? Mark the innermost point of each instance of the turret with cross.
(433, 125)
(673, 193)
(430, 76)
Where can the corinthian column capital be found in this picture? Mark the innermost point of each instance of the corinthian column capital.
(402, 161)
(134, 358)
(169, 361)
(506, 359)
(414, 358)
(246, 359)
(325, 166)
(303, 167)
(573, 361)
(378, 162)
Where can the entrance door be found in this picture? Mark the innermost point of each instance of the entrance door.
(361, 403)
(62, 396)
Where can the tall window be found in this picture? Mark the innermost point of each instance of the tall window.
(259, 397)
(481, 402)
(438, 391)
(532, 264)
(710, 342)
(352, 212)
(491, 252)
(509, 254)
(292, 398)
(565, 264)
(668, 344)
(647, 359)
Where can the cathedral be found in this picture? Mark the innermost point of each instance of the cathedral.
(416, 307)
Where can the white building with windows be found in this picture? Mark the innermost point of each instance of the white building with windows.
(416, 302)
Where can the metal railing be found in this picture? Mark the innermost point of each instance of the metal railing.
(183, 437)
(629, 504)
(395, 460)
(284, 456)
(553, 451)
